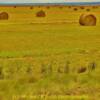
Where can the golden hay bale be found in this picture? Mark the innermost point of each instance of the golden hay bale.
(60, 7)
(40, 14)
(4, 16)
(82, 7)
(75, 9)
(87, 20)
(31, 7)
(48, 7)
(69, 6)
(14, 6)
(87, 9)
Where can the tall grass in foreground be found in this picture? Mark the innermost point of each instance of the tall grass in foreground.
(18, 77)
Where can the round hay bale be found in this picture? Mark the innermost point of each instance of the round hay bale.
(69, 6)
(14, 6)
(87, 20)
(40, 14)
(4, 16)
(60, 7)
(75, 9)
(48, 7)
(82, 7)
(87, 9)
(31, 7)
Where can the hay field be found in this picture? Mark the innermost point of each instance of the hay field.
(50, 59)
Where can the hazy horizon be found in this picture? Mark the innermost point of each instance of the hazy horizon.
(45, 1)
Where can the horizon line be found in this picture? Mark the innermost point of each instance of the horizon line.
(50, 3)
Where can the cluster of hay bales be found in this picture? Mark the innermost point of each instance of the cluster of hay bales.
(4, 16)
(84, 8)
(87, 20)
(40, 14)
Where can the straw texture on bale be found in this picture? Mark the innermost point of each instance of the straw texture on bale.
(40, 14)
(87, 20)
(4, 16)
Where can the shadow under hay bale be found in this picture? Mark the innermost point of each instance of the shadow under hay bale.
(4, 16)
(87, 20)
(40, 14)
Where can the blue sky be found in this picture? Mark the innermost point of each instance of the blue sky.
(44, 1)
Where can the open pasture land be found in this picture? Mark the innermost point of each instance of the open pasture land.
(48, 58)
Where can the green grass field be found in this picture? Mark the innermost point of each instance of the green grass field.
(49, 60)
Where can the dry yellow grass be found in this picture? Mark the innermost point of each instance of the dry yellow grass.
(30, 46)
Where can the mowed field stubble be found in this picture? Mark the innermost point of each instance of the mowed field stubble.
(52, 56)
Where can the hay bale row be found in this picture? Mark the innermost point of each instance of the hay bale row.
(4, 16)
(84, 20)
(87, 20)
(74, 8)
